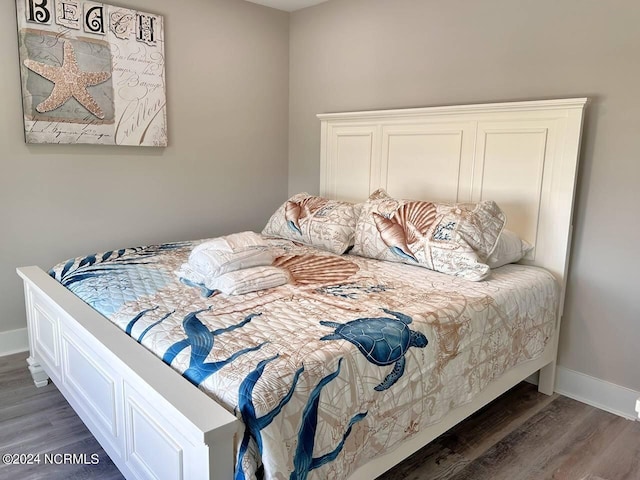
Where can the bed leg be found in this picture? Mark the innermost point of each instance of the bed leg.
(40, 377)
(547, 380)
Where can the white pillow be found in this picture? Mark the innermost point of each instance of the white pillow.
(510, 249)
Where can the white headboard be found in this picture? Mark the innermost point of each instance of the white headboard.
(523, 155)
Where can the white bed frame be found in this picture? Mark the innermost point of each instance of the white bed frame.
(154, 424)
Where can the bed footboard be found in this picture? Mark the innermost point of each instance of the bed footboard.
(152, 422)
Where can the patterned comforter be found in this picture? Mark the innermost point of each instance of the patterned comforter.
(339, 365)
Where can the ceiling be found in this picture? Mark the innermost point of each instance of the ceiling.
(288, 5)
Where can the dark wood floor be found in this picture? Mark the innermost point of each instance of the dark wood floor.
(523, 435)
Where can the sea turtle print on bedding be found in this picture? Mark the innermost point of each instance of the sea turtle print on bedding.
(333, 368)
(382, 340)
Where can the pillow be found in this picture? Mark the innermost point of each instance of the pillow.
(509, 249)
(314, 221)
(450, 238)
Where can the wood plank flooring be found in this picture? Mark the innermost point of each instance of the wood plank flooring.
(523, 435)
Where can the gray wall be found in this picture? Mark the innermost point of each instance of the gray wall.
(375, 54)
(225, 169)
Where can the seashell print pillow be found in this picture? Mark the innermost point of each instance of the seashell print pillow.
(314, 221)
(450, 238)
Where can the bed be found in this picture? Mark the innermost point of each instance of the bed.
(154, 423)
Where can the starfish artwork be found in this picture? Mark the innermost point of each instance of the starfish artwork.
(69, 82)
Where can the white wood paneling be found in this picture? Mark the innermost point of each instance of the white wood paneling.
(85, 377)
(349, 168)
(46, 334)
(433, 153)
(509, 166)
(151, 451)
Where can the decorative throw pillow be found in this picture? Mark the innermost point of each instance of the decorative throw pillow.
(509, 249)
(315, 221)
(450, 238)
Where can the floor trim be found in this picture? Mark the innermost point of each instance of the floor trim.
(13, 341)
(598, 393)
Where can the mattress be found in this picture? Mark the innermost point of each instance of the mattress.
(339, 365)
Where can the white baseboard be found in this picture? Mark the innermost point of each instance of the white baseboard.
(598, 393)
(13, 341)
(601, 394)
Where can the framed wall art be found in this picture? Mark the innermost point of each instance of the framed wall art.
(91, 73)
